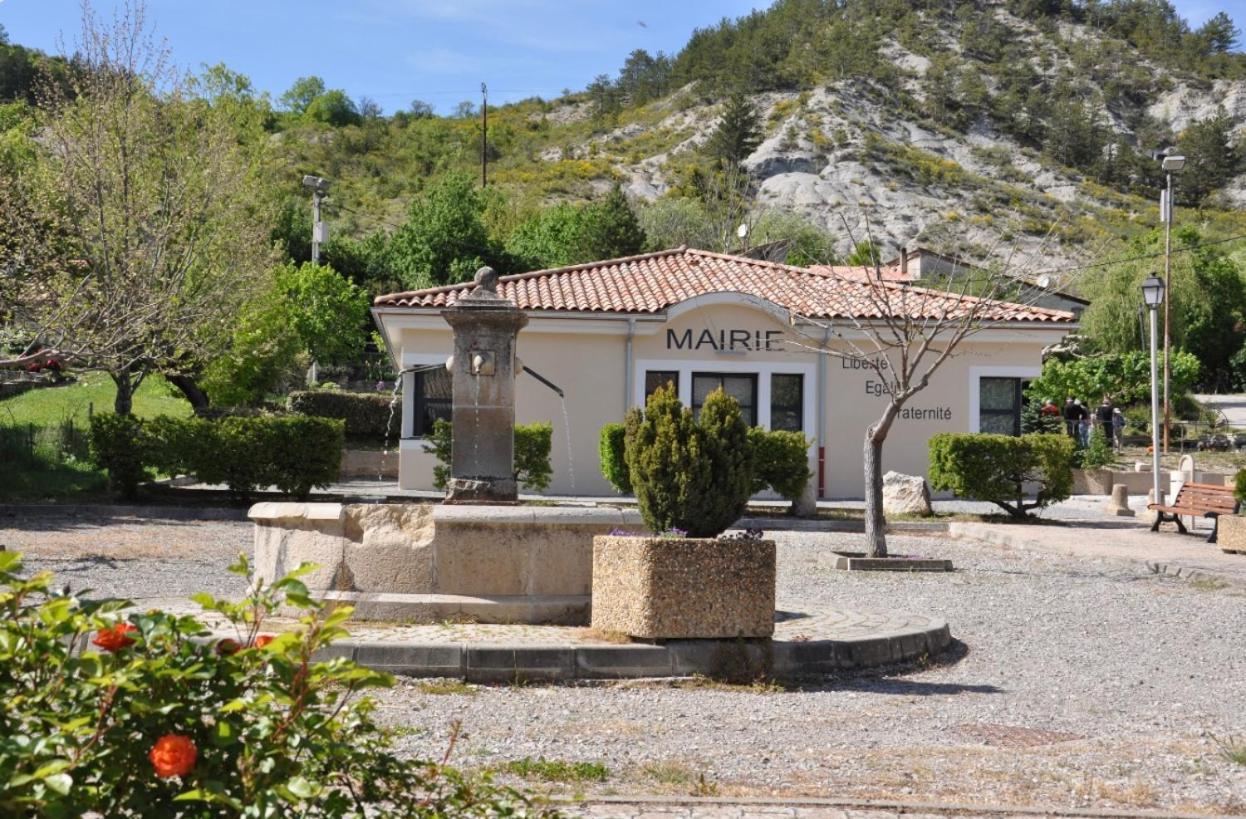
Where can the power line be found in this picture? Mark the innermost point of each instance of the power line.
(1127, 259)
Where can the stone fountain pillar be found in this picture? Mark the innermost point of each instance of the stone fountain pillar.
(482, 463)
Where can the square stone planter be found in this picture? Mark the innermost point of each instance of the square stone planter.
(683, 588)
(1231, 534)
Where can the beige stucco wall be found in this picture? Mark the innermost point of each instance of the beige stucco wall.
(587, 359)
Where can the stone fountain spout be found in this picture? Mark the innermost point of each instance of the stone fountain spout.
(482, 461)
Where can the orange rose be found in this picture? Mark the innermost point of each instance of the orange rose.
(113, 638)
(264, 639)
(227, 646)
(173, 755)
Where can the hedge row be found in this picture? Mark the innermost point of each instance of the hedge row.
(780, 460)
(294, 453)
(999, 468)
(367, 415)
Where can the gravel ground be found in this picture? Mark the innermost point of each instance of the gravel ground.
(1077, 684)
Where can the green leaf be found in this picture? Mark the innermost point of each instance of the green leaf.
(61, 783)
(301, 788)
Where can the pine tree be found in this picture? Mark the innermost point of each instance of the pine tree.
(612, 229)
(738, 134)
(1212, 155)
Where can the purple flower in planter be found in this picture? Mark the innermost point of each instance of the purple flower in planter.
(619, 532)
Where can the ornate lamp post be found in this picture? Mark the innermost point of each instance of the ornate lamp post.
(1153, 294)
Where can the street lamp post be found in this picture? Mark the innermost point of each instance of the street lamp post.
(1153, 294)
(1170, 163)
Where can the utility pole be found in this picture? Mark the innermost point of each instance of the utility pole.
(319, 187)
(1169, 163)
(484, 136)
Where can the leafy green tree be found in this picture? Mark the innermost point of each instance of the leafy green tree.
(302, 93)
(161, 217)
(738, 133)
(326, 310)
(554, 237)
(444, 238)
(1207, 301)
(1211, 155)
(333, 108)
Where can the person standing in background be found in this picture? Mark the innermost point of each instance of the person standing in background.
(1103, 417)
(1118, 428)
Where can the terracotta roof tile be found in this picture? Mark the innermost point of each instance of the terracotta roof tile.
(653, 282)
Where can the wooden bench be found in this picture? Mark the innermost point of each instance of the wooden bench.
(1205, 499)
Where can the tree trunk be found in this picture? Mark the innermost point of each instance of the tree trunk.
(124, 403)
(189, 388)
(875, 523)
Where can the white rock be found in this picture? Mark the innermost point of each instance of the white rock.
(905, 495)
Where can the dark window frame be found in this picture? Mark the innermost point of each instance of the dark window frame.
(1018, 402)
(674, 378)
(420, 404)
(800, 401)
(753, 377)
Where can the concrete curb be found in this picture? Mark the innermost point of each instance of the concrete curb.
(993, 535)
(498, 662)
(710, 802)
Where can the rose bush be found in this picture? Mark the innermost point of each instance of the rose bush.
(118, 713)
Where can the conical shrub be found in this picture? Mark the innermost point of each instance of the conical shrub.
(689, 475)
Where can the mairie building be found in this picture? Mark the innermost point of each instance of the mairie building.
(608, 333)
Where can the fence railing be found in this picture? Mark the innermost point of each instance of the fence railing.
(28, 443)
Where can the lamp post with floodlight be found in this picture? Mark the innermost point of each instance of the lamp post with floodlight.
(1153, 294)
(1170, 163)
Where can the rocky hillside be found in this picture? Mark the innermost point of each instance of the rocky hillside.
(923, 143)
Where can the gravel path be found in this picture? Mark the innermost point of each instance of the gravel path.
(1079, 683)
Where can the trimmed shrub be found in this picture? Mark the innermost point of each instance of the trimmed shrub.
(532, 449)
(118, 446)
(116, 711)
(303, 453)
(996, 468)
(780, 461)
(1239, 486)
(367, 415)
(689, 475)
(613, 461)
(293, 453)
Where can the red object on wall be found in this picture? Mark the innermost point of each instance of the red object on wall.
(821, 471)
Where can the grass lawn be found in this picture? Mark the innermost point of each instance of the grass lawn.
(50, 477)
(51, 405)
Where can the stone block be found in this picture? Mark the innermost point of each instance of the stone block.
(905, 495)
(388, 547)
(518, 664)
(1119, 504)
(679, 588)
(1231, 533)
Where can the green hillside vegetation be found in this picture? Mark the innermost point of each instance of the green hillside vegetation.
(1068, 83)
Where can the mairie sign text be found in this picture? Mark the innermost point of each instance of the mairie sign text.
(724, 340)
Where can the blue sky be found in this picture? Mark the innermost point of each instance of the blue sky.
(435, 50)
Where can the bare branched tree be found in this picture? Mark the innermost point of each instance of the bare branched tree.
(904, 333)
(141, 241)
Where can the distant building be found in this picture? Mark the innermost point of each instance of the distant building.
(611, 332)
(923, 263)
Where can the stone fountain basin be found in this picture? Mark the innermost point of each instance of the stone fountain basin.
(429, 562)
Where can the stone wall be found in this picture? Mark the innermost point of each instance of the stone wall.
(507, 556)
